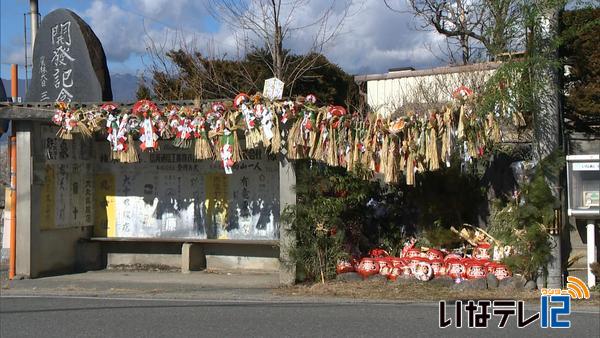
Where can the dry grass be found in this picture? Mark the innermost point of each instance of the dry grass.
(382, 290)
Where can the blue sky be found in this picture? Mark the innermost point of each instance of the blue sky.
(373, 39)
(125, 60)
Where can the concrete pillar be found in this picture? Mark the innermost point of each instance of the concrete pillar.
(591, 252)
(192, 257)
(287, 240)
(27, 232)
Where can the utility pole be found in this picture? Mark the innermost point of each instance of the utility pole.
(548, 126)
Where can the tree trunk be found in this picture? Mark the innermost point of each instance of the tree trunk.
(464, 39)
(278, 54)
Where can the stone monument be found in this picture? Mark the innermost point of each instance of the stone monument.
(3, 122)
(68, 62)
(2, 92)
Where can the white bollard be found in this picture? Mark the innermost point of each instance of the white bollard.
(591, 254)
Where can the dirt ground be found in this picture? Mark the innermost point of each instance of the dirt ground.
(418, 292)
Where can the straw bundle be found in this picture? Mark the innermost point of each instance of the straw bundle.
(202, 149)
(130, 154)
(276, 140)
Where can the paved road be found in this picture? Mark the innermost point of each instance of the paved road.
(109, 317)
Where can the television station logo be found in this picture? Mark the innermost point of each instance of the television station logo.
(555, 306)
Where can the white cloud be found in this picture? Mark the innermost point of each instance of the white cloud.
(372, 40)
(121, 33)
(169, 10)
(127, 29)
(15, 56)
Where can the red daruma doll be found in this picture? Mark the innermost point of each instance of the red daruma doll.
(412, 263)
(434, 254)
(455, 268)
(385, 269)
(383, 262)
(405, 267)
(367, 267)
(475, 269)
(343, 266)
(501, 271)
(394, 273)
(414, 252)
(397, 261)
(482, 251)
(452, 255)
(438, 267)
(422, 270)
(378, 253)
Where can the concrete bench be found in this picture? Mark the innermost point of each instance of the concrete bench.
(194, 252)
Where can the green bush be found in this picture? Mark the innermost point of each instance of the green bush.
(522, 222)
(328, 218)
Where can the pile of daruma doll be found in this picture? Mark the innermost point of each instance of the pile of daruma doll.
(427, 263)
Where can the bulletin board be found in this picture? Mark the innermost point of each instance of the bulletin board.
(170, 194)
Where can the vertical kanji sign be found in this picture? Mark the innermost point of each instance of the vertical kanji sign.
(69, 64)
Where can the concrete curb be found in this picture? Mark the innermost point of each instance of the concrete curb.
(242, 296)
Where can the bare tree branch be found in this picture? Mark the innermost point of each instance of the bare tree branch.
(272, 22)
(472, 24)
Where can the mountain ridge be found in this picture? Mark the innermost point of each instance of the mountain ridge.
(123, 86)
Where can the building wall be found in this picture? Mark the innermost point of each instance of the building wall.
(388, 92)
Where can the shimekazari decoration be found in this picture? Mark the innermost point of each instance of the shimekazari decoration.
(71, 121)
(300, 129)
(148, 113)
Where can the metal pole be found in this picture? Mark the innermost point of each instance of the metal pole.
(14, 82)
(33, 11)
(591, 254)
(26, 61)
